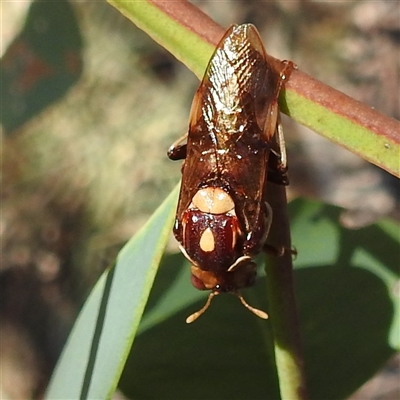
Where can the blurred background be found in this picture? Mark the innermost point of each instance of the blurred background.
(89, 106)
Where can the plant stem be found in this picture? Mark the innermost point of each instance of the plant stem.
(282, 305)
(190, 36)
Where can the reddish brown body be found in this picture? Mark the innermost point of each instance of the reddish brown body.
(234, 137)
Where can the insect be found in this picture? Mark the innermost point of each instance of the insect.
(234, 141)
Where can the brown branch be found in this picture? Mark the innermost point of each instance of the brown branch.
(341, 104)
(192, 18)
(202, 25)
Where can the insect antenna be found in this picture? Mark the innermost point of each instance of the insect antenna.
(197, 314)
(256, 311)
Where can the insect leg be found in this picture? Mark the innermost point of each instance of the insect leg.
(177, 151)
(284, 74)
(277, 162)
(279, 251)
(255, 240)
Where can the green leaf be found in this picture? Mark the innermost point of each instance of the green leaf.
(347, 299)
(345, 287)
(226, 354)
(95, 354)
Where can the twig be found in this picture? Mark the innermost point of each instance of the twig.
(282, 304)
(191, 35)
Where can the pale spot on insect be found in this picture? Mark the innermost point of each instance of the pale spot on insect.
(207, 241)
(222, 151)
(213, 200)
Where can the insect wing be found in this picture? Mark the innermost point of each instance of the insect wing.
(232, 120)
